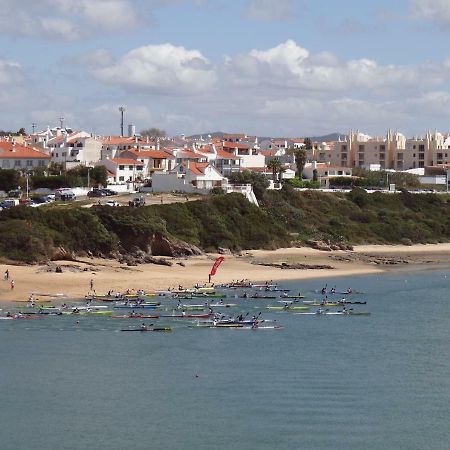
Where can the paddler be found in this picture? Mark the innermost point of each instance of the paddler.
(143, 327)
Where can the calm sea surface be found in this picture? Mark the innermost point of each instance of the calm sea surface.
(380, 382)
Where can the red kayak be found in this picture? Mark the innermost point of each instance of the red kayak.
(186, 316)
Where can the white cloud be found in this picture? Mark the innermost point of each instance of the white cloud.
(11, 73)
(163, 69)
(434, 10)
(68, 20)
(290, 66)
(270, 10)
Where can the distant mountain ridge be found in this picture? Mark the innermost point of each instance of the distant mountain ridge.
(325, 138)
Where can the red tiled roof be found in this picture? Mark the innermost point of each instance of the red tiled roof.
(118, 140)
(198, 168)
(268, 152)
(222, 154)
(154, 154)
(18, 151)
(126, 161)
(187, 154)
(237, 145)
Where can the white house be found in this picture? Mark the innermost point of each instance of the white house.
(189, 177)
(21, 157)
(123, 170)
(152, 160)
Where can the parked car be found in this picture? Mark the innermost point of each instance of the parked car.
(112, 203)
(96, 193)
(109, 192)
(137, 201)
(64, 194)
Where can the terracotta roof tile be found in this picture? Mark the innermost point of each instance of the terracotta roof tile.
(18, 151)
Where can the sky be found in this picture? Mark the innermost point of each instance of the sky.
(263, 67)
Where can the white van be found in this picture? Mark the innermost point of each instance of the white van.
(9, 202)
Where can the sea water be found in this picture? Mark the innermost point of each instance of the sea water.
(322, 382)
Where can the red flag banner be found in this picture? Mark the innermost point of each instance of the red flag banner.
(216, 265)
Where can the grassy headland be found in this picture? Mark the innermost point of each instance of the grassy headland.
(285, 218)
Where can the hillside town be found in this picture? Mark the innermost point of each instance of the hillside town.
(200, 163)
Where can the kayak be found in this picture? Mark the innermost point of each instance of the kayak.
(192, 308)
(38, 300)
(149, 329)
(256, 296)
(288, 308)
(205, 288)
(268, 327)
(206, 295)
(324, 305)
(86, 308)
(223, 305)
(292, 296)
(86, 313)
(136, 307)
(185, 316)
(137, 303)
(103, 298)
(335, 313)
(137, 316)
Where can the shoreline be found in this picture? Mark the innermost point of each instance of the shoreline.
(74, 281)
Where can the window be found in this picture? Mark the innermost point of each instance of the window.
(121, 178)
(361, 148)
(130, 167)
(421, 155)
(382, 148)
(29, 163)
(122, 168)
(5, 164)
(140, 168)
(41, 163)
(17, 163)
(400, 156)
(344, 148)
(421, 148)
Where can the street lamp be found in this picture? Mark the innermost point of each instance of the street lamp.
(89, 177)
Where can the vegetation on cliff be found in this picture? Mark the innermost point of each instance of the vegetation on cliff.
(285, 217)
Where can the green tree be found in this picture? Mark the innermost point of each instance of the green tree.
(9, 179)
(258, 181)
(315, 175)
(275, 166)
(308, 144)
(153, 133)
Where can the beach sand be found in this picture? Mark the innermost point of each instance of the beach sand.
(74, 281)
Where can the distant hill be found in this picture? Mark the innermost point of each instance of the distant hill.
(218, 134)
(326, 138)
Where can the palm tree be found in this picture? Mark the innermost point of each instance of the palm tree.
(300, 161)
(275, 165)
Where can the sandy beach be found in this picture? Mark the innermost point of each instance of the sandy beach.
(74, 281)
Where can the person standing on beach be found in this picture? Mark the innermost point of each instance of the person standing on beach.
(91, 284)
(6, 276)
(12, 284)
